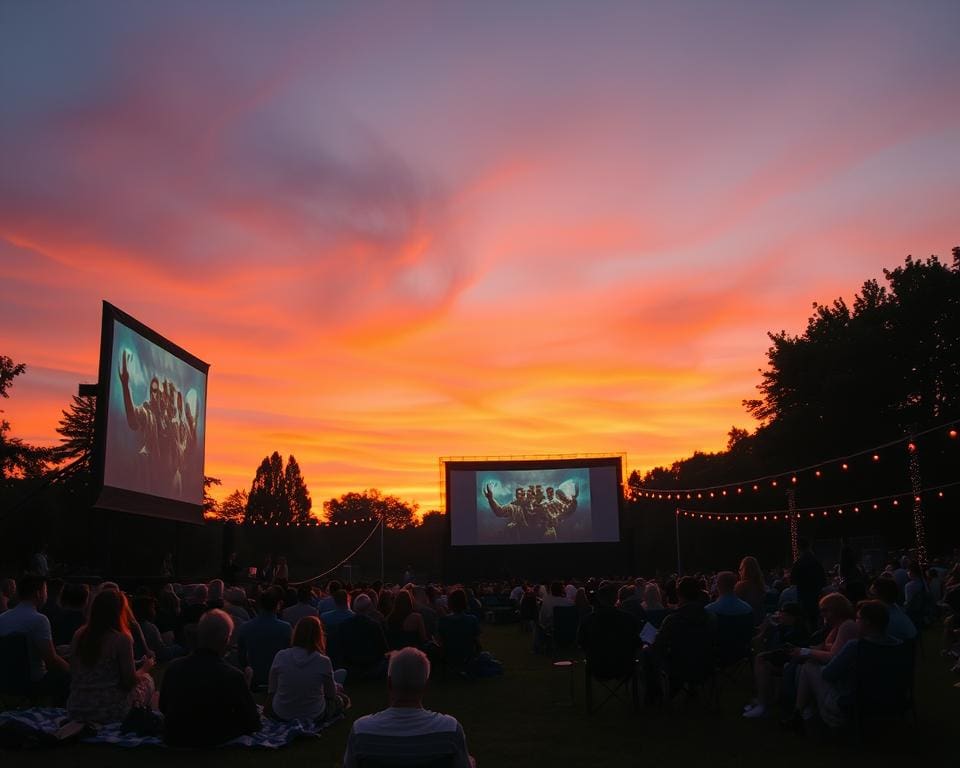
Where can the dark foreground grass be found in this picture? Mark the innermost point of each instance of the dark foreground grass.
(522, 719)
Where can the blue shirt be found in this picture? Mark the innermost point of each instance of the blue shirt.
(729, 605)
(258, 641)
(900, 625)
(335, 617)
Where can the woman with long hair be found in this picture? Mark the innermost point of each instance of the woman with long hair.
(405, 626)
(301, 685)
(104, 680)
(751, 588)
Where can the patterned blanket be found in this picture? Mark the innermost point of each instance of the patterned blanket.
(272, 735)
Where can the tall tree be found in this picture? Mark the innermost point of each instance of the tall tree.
(371, 503)
(76, 430)
(209, 503)
(854, 376)
(232, 509)
(298, 497)
(17, 458)
(268, 502)
(279, 494)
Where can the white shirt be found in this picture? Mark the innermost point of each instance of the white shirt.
(517, 594)
(409, 733)
(298, 680)
(571, 591)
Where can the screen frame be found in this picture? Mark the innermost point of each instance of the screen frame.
(506, 464)
(121, 499)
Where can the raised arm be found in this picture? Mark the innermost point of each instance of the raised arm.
(132, 420)
(494, 507)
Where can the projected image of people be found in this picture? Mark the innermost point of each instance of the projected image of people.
(533, 506)
(154, 428)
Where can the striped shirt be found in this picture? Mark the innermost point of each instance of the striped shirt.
(406, 735)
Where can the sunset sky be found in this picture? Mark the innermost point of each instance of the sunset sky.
(401, 230)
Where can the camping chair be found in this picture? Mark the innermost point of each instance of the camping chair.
(15, 683)
(734, 642)
(884, 683)
(566, 621)
(690, 667)
(616, 679)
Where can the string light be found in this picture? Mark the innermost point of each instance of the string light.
(874, 453)
(792, 513)
(918, 521)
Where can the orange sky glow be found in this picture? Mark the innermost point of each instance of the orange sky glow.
(405, 231)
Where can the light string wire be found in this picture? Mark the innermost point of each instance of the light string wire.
(331, 570)
(794, 471)
(787, 513)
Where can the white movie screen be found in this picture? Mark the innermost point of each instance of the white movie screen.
(155, 420)
(508, 504)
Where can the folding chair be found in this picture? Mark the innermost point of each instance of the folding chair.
(615, 682)
(734, 642)
(566, 621)
(884, 683)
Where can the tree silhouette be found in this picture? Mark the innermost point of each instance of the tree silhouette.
(210, 505)
(17, 458)
(370, 503)
(298, 496)
(232, 509)
(856, 376)
(76, 429)
(278, 495)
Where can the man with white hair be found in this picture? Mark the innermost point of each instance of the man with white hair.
(204, 700)
(405, 731)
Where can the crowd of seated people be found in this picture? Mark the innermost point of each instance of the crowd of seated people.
(299, 645)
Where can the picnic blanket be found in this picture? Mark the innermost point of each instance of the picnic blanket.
(273, 734)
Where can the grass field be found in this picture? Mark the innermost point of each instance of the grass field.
(522, 719)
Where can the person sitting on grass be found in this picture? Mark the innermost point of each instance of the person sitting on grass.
(363, 641)
(405, 730)
(49, 672)
(405, 625)
(459, 632)
(204, 700)
(301, 684)
(259, 640)
(105, 683)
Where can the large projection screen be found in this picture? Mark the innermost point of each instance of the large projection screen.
(151, 422)
(547, 501)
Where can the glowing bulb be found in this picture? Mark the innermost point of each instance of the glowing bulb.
(876, 457)
(844, 466)
(817, 473)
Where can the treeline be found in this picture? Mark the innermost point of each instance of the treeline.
(861, 375)
(279, 495)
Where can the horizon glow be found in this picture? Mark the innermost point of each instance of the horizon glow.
(405, 231)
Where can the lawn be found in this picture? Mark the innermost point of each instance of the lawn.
(522, 719)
